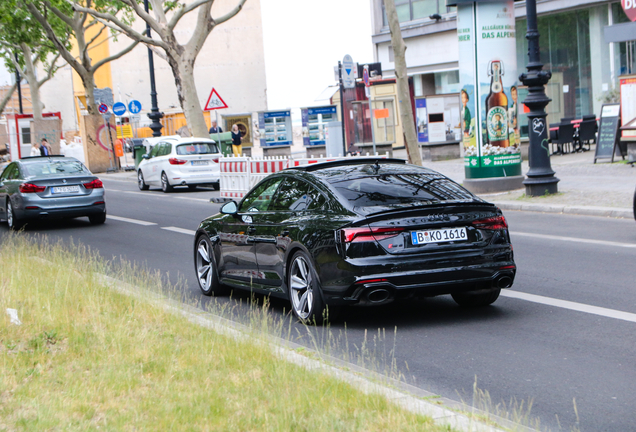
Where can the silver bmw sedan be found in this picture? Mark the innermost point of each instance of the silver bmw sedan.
(50, 187)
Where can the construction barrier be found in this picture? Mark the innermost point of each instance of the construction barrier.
(240, 174)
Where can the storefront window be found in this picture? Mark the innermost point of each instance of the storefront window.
(565, 51)
(625, 52)
(385, 127)
(410, 10)
(447, 82)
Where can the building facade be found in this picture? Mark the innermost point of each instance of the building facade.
(585, 64)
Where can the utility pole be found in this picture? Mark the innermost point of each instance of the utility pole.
(540, 177)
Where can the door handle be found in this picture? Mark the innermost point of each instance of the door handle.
(251, 229)
(285, 233)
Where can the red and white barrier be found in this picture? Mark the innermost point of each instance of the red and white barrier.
(240, 174)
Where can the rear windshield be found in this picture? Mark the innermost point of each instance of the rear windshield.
(55, 168)
(373, 193)
(196, 149)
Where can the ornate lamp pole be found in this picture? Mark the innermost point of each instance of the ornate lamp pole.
(154, 115)
(540, 177)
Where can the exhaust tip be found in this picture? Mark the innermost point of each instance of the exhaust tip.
(378, 295)
(504, 282)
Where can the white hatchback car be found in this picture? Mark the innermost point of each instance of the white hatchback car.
(180, 162)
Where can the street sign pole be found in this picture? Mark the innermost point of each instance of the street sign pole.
(218, 135)
(342, 113)
(365, 77)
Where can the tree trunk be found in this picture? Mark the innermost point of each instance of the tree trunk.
(183, 71)
(34, 85)
(88, 80)
(404, 95)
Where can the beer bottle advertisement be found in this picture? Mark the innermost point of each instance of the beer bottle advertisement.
(488, 74)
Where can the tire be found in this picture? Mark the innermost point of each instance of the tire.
(12, 220)
(97, 219)
(140, 181)
(634, 204)
(192, 187)
(304, 291)
(476, 299)
(165, 184)
(206, 269)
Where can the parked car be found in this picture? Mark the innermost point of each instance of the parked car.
(362, 231)
(45, 187)
(180, 162)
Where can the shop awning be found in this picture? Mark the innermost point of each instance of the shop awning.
(620, 32)
(326, 94)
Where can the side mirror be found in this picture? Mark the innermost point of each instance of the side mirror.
(146, 156)
(230, 208)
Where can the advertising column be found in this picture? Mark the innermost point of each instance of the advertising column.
(489, 111)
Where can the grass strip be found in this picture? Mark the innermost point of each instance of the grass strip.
(87, 357)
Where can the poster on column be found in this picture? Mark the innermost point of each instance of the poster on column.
(496, 150)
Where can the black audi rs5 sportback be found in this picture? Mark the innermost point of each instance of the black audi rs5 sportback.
(359, 231)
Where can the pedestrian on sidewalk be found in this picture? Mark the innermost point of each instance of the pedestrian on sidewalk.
(215, 129)
(45, 148)
(35, 150)
(237, 139)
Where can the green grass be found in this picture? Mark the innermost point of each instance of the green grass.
(87, 357)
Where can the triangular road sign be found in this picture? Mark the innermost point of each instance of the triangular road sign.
(214, 101)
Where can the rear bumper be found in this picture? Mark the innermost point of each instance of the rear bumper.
(61, 213)
(178, 178)
(384, 287)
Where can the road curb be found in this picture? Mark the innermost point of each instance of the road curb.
(614, 212)
(406, 396)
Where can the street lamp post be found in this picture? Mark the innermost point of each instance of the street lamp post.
(154, 115)
(540, 177)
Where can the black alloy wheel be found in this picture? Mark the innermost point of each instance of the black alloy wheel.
(13, 222)
(140, 181)
(165, 184)
(206, 269)
(476, 298)
(304, 291)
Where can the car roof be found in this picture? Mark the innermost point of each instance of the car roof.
(190, 140)
(347, 162)
(155, 140)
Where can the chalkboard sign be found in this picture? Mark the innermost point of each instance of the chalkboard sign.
(608, 132)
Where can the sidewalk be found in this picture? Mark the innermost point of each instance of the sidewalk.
(585, 188)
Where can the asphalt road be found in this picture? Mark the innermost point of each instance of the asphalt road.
(562, 337)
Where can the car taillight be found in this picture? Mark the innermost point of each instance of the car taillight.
(95, 184)
(355, 235)
(31, 188)
(493, 223)
(175, 161)
(215, 160)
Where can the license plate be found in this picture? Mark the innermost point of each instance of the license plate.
(65, 189)
(199, 162)
(443, 235)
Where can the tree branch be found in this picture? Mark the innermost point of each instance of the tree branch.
(7, 97)
(116, 24)
(51, 70)
(159, 12)
(95, 37)
(184, 10)
(231, 13)
(115, 56)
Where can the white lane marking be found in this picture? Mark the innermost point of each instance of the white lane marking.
(564, 304)
(134, 221)
(179, 230)
(573, 239)
(194, 199)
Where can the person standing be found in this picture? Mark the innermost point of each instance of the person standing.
(46, 147)
(35, 150)
(237, 139)
(215, 129)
